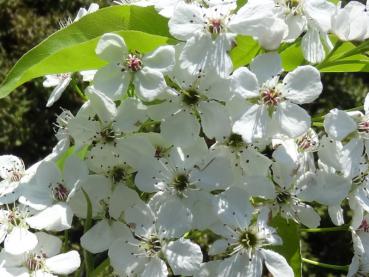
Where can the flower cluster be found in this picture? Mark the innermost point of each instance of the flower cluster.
(177, 141)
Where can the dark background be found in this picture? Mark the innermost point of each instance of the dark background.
(26, 125)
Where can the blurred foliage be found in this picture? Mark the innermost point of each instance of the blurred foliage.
(26, 125)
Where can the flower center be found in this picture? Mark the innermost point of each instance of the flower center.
(191, 97)
(363, 126)
(107, 135)
(117, 174)
(133, 62)
(307, 143)
(181, 182)
(215, 26)
(364, 226)
(235, 141)
(15, 218)
(16, 175)
(35, 262)
(270, 96)
(60, 192)
(248, 239)
(152, 245)
(293, 3)
(283, 197)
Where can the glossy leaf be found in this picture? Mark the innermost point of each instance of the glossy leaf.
(72, 48)
(246, 49)
(290, 234)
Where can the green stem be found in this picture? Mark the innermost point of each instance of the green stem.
(355, 109)
(65, 242)
(319, 118)
(87, 256)
(324, 230)
(100, 270)
(318, 124)
(78, 90)
(344, 268)
(330, 54)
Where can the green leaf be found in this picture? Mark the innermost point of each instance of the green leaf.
(73, 48)
(347, 58)
(240, 4)
(290, 234)
(292, 56)
(246, 49)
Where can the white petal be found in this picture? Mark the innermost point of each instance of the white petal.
(184, 136)
(260, 186)
(307, 215)
(211, 112)
(245, 83)
(155, 268)
(49, 245)
(338, 124)
(98, 238)
(336, 215)
(65, 263)
(218, 247)
(103, 106)
(168, 214)
(55, 218)
(97, 188)
(112, 48)
(121, 258)
(186, 21)
(277, 264)
(302, 85)
(312, 46)
(184, 256)
(142, 218)
(149, 84)
(292, 120)
(74, 170)
(253, 124)
(201, 53)
(296, 25)
(122, 198)
(233, 207)
(9, 164)
(14, 272)
(19, 241)
(130, 114)
(266, 66)
(162, 59)
(58, 91)
(112, 81)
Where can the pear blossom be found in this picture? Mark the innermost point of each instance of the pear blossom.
(125, 67)
(14, 231)
(271, 106)
(50, 193)
(351, 22)
(142, 252)
(244, 243)
(43, 260)
(13, 177)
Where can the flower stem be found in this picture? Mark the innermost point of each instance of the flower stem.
(324, 230)
(330, 54)
(319, 118)
(318, 124)
(88, 263)
(101, 269)
(78, 90)
(330, 266)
